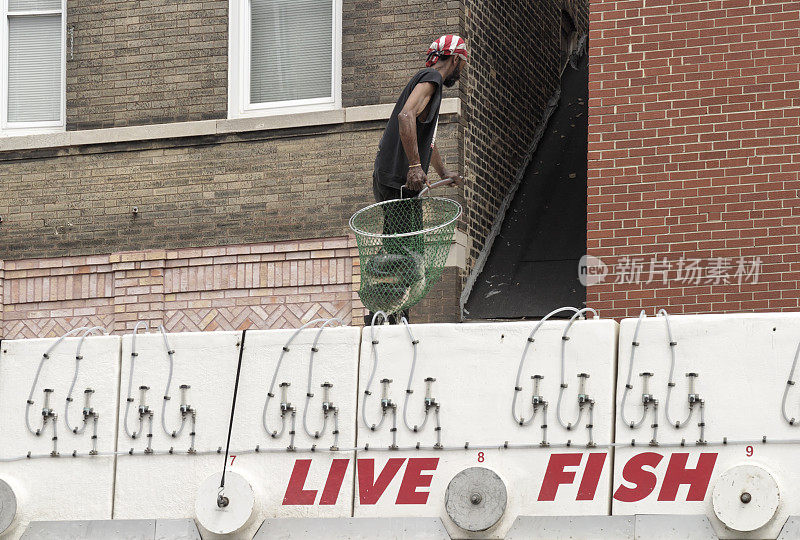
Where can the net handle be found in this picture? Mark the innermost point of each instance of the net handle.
(446, 181)
(428, 187)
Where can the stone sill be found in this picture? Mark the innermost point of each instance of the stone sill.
(457, 257)
(208, 127)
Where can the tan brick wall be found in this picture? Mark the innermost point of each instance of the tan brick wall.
(440, 305)
(138, 292)
(48, 297)
(158, 61)
(281, 285)
(384, 43)
(253, 187)
(267, 285)
(146, 62)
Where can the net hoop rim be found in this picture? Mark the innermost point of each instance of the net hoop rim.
(358, 231)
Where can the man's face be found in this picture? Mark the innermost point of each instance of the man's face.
(451, 79)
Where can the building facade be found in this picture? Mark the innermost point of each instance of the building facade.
(694, 154)
(196, 163)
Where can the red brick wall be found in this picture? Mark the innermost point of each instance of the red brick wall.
(694, 152)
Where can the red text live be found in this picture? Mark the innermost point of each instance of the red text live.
(370, 487)
(639, 472)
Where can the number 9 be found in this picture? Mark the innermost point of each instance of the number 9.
(749, 451)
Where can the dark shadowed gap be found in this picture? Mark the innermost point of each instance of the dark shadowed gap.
(533, 266)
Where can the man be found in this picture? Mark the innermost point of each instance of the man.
(408, 145)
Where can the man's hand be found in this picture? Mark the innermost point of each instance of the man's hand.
(456, 179)
(416, 179)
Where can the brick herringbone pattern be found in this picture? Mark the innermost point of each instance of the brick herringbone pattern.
(277, 285)
(239, 318)
(53, 327)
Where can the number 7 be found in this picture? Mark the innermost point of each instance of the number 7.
(232, 458)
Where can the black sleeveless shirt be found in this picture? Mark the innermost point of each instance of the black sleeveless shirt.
(391, 163)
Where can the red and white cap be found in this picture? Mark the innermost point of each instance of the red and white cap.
(449, 45)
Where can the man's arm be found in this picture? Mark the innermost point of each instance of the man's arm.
(442, 170)
(407, 120)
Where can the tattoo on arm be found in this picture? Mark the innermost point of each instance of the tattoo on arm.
(407, 119)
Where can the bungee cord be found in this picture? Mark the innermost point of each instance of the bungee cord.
(517, 387)
(327, 406)
(47, 412)
(87, 412)
(583, 399)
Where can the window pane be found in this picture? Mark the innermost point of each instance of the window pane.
(291, 49)
(34, 68)
(25, 5)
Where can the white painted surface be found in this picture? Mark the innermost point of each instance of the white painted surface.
(759, 506)
(206, 362)
(60, 488)
(231, 516)
(166, 486)
(335, 362)
(743, 362)
(475, 367)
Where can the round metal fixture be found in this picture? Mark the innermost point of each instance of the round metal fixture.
(237, 505)
(745, 497)
(476, 499)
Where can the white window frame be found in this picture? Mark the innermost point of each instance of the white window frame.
(239, 105)
(30, 128)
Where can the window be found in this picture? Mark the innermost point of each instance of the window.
(285, 56)
(33, 42)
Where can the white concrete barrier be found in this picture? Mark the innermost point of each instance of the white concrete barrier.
(167, 485)
(475, 367)
(725, 470)
(742, 364)
(150, 486)
(301, 483)
(64, 487)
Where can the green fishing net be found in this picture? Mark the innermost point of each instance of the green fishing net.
(402, 246)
